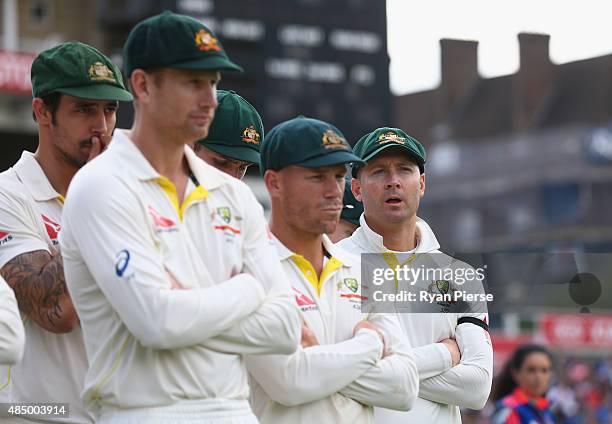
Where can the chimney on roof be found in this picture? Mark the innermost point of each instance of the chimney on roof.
(534, 80)
(459, 61)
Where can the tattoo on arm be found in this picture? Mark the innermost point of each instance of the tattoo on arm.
(37, 278)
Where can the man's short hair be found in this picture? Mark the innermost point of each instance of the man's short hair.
(51, 101)
(158, 77)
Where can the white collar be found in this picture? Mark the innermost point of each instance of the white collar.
(34, 178)
(426, 239)
(127, 151)
(343, 256)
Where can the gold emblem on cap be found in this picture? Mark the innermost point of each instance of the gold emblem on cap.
(333, 140)
(206, 42)
(100, 72)
(250, 135)
(390, 137)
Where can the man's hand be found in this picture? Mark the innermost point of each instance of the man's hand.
(370, 326)
(453, 348)
(98, 145)
(308, 337)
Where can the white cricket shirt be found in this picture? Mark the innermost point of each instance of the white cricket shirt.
(340, 379)
(11, 329)
(149, 345)
(441, 387)
(53, 365)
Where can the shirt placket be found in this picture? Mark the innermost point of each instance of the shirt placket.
(328, 299)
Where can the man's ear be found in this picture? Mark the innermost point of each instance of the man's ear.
(356, 188)
(140, 82)
(272, 182)
(43, 115)
(422, 190)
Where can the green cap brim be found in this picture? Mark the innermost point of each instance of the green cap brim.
(376, 152)
(233, 152)
(98, 92)
(329, 159)
(215, 63)
(399, 146)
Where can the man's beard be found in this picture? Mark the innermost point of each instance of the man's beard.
(74, 160)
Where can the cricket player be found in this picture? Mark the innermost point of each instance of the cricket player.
(348, 361)
(76, 91)
(349, 217)
(11, 329)
(167, 259)
(390, 186)
(234, 136)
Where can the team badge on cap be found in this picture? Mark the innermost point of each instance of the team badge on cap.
(390, 137)
(100, 72)
(250, 135)
(206, 42)
(333, 140)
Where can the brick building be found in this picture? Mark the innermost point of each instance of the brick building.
(518, 161)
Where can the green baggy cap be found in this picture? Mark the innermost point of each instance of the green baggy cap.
(305, 142)
(372, 144)
(237, 130)
(171, 40)
(78, 70)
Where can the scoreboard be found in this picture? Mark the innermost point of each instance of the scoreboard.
(322, 59)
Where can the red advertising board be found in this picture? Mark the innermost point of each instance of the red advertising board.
(504, 346)
(577, 330)
(15, 72)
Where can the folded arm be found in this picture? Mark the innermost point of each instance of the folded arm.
(315, 372)
(274, 328)
(393, 382)
(469, 383)
(129, 271)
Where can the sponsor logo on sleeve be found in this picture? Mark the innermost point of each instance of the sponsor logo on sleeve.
(5, 237)
(122, 265)
(52, 227)
(121, 262)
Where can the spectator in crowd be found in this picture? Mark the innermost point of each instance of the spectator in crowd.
(521, 387)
